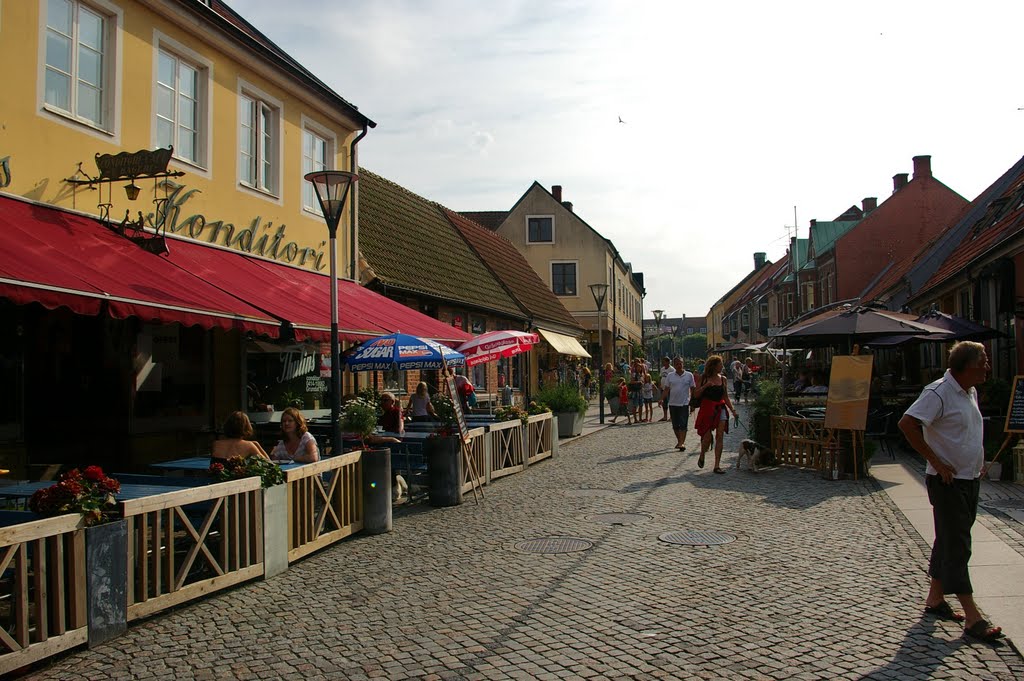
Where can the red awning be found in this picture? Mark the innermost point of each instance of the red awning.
(55, 258)
(302, 297)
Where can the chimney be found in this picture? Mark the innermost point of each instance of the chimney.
(813, 223)
(759, 259)
(899, 181)
(556, 191)
(869, 204)
(922, 166)
(567, 204)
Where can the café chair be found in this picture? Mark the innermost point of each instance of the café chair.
(879, 426)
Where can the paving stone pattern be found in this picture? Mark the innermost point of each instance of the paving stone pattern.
(824, 581)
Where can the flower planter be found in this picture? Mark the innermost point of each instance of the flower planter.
(445, 468)
(106, 580)
(376, 491)
(570, 423)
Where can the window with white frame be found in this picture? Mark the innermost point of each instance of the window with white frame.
(563, 278)
(540, 229)
(79, 53)
(316, 155)
(181, 107)
(259, 135)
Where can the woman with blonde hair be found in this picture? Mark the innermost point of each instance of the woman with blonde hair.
(420, 407)
(713, 418)
(297, 443)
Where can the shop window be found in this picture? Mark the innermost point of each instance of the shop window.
(280, 376)
(170, 377)
(478, 375)
(394, 380)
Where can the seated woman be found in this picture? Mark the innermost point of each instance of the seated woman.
(391, 414)
(817, 386)
(297, 443)
(237, 442)
(420, 408)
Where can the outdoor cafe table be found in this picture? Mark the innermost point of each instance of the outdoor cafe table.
(202, 464)
(128, 491)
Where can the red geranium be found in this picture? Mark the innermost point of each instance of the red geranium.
(93, 473)
(91, 494)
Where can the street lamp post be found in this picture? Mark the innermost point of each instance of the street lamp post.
(658, 316)
(331, 191)
(600, 291)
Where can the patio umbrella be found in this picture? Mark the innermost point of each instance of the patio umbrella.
(856, 325)
(402, 351)
(954, 329)
(494, 345)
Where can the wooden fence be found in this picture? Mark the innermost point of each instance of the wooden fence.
(537, 439)
(42, 590)
(325, 503)
(506, 443)
(478, 447)
(800, 442)
(183, 545)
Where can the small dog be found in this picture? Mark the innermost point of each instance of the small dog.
(755, 453)
(399, 488)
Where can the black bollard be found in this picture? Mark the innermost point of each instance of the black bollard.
(444, 463)
(376, 491)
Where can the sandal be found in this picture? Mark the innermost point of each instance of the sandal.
(719, 470)
(944, 611)
(700, 460)
(983, 631)
(681, 448)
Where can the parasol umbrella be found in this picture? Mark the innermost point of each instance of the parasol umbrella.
(402, 351)
(857, 325)
(954, 329)
(495, 345)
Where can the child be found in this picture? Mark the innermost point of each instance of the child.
(648, 396)
(623, 402)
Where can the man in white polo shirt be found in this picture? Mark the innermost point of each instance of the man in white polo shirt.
(944, 426)
(676, 385)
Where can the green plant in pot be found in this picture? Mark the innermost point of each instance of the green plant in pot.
(445, 413)
(359, 416)
(562, 398)
(767, 403)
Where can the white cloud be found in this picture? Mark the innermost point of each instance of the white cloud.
(735, 113)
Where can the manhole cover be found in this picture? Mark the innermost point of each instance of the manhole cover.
(589, 492)
(553, 545)
(1017, 504)
(697, 537)
(618, 518)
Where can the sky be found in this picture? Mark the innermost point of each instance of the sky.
(741, 119)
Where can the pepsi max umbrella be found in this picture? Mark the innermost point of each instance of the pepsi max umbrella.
(402, 351)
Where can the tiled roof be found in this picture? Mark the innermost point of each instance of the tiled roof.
(233, 22)
(491, 219)
(513, 270)
(411, 246)
(999, 223)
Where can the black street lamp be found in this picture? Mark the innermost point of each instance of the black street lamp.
(331, 191)
(600, 291)
(658, 316)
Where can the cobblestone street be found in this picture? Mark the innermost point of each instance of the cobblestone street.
(825, 580)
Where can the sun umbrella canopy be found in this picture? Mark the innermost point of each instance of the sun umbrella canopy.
(954, 329)
(858, 325)
(402, 351)
(494, 345)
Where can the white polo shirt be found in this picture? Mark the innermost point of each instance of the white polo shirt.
(953, 426)
(679, 387)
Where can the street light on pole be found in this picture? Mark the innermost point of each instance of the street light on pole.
(658, 316)
(331, 191)
(600, 291)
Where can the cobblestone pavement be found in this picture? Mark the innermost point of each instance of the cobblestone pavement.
(825, 580)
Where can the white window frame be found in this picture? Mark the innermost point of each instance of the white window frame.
(204, 86)
(526, 226)
(269, 186)
(551, 273)
(109, 130)
(311, 127)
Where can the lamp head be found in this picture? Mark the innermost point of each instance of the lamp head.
(132, 190)
(331, 191)
(599, 291)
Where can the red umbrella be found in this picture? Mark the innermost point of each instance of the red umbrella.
(494, 345)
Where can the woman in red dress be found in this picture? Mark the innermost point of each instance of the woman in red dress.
(715, 405)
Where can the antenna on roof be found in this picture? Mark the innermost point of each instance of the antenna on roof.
(794, 261)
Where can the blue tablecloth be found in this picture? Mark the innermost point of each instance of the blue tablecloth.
(202, 463)
(27, 489)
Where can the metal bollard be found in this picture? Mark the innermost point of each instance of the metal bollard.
(377, 491)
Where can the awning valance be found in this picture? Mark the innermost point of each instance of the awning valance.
(565, 345)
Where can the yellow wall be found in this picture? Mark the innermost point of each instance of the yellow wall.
(45, 147)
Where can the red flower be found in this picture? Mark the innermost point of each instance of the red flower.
(216, 467)
(93, 473)
(73, 474)
(110, 485)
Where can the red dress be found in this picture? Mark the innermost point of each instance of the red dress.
(711, 405)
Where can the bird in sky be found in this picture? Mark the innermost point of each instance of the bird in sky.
(620, 120)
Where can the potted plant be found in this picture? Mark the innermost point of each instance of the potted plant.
(566, 402)
(238, 467)
(359, 416)
(767, 403)
(443, 452)
(611, 394)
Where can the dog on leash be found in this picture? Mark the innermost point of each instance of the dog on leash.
(399, 488)
(755, 453)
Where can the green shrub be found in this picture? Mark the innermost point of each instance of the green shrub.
(359, 416)
(561, 398)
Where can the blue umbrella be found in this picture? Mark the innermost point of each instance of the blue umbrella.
(402, 351)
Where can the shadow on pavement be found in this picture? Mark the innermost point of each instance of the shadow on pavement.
(908, 662)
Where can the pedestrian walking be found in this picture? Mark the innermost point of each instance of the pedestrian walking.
(713, 417)
(666, 369)
(678, 385)
(636, 385)
(647, 393)
(945, 426)
(736, 369)
(623, 403)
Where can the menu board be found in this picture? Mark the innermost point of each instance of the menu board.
(460, 417)
(1015, 410)
(849, 388)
